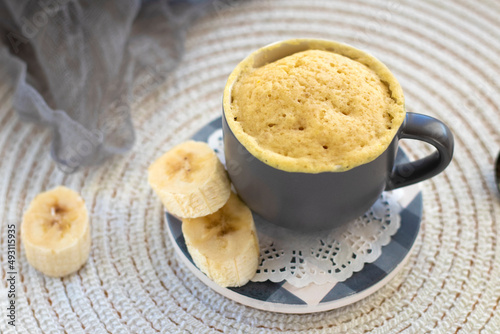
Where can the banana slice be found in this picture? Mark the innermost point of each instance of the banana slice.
(55, 232)
(190, 180)
(224, 245)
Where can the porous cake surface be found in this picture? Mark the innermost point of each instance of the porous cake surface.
(314, 111)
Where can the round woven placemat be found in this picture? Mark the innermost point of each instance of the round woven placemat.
(445, 55)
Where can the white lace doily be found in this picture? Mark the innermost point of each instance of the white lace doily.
(326, 257)
(321, 257)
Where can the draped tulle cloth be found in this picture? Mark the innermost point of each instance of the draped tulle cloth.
(77, 66)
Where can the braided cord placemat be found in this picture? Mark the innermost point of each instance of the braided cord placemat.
(445, 55)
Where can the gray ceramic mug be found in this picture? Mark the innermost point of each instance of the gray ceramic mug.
(326, 200)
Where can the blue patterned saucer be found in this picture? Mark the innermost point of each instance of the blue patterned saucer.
(285, 298)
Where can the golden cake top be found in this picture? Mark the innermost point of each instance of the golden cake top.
(315, 111)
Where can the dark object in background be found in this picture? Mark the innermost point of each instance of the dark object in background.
(497, 171)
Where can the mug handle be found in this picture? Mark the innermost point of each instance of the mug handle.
(429, 130)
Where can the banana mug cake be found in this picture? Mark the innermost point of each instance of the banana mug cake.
(311, 130)
(315, 111)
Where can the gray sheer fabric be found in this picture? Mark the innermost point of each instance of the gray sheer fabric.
(74, 65)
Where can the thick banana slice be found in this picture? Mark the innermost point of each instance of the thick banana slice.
(224, 245)
(55, 232)
(190, 180)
